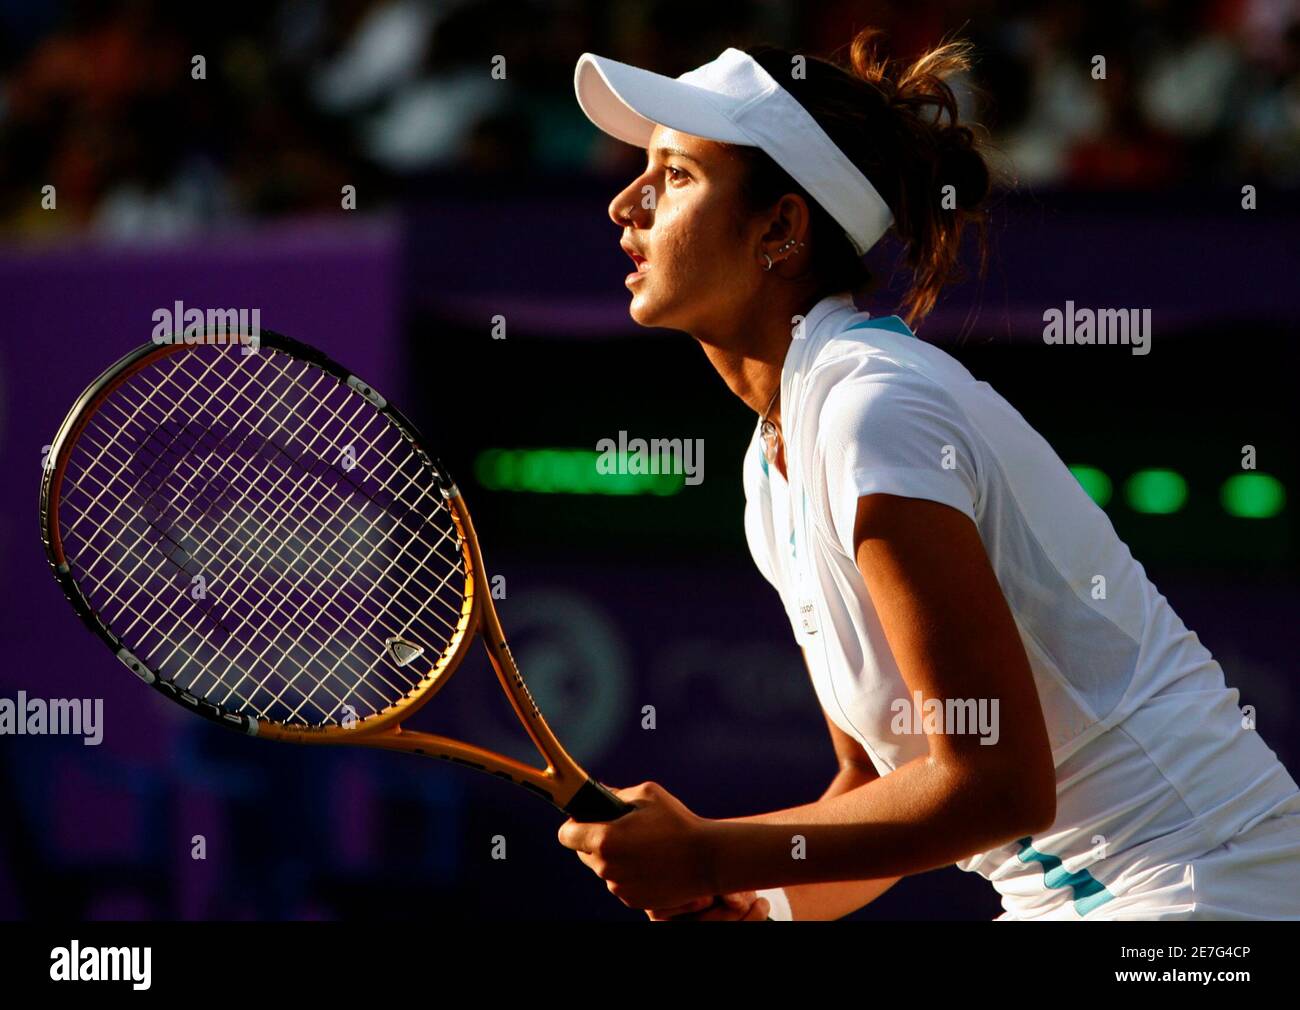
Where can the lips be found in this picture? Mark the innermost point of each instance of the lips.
(638, 261)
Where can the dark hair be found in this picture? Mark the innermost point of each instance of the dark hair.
(899, 125)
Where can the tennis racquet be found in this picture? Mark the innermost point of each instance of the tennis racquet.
(260, 536)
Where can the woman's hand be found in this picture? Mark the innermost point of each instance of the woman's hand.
(743, 906)
(655, 857)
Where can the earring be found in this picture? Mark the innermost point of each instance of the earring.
(790, 244)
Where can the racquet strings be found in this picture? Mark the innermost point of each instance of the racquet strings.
(261, 536)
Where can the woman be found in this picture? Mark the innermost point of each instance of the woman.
(1004, 688)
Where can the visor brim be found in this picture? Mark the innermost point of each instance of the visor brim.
(627, 103)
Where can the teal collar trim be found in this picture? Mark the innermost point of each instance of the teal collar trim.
(892, 323)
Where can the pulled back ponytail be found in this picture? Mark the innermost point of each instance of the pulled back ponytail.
(899, 124)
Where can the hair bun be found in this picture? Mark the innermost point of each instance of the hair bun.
(900, 124)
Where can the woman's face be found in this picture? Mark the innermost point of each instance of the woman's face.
(698, 262)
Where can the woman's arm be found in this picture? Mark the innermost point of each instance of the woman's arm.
(838, 899)
(808, 901)
(954, 637)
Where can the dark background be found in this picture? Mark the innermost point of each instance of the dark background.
(480, 198)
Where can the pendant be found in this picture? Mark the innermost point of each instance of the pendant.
(771, 441)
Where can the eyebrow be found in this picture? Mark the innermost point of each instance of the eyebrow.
(668, 152)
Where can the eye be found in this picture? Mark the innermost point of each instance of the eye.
(676, 173)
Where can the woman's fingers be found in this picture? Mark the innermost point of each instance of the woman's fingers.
(659, 914)
(742, 906)
(754, 912)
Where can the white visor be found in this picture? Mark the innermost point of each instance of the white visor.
(733, 100)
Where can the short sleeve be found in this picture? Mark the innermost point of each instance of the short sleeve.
(895, 433)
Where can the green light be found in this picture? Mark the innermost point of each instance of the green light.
(535, 471)
(1156, 492)
(1094, 481)
(1252, 496)
(667, 483)
(487, 469)
(566, 471)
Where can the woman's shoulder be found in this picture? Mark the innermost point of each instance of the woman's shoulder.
(883, 346)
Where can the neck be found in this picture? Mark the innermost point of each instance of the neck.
(750, 357)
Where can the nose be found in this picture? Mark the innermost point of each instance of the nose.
(627, 208)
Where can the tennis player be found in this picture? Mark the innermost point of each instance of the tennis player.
(1004, 687)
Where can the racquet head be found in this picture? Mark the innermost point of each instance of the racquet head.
(259, 535)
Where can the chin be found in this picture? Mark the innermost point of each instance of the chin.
(648, 310)
(641, 313)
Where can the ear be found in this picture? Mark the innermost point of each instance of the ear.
(790, 218)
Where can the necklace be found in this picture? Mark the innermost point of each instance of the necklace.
(767, 430)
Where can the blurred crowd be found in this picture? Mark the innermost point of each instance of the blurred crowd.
(152, 118)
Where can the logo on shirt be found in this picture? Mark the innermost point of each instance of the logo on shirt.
(808, 616)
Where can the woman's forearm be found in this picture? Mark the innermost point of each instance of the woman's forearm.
(837, 899)
(919, 817)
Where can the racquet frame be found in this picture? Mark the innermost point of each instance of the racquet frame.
(562, 782)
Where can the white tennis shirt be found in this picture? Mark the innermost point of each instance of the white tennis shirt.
(1154, 758)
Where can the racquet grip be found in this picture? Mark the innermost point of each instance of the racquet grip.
(594, 802)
